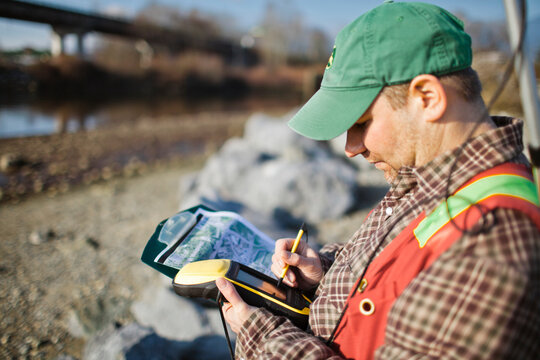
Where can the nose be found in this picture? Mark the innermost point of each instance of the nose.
(355, 143)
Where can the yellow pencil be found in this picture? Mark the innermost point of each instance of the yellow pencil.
(293, 250)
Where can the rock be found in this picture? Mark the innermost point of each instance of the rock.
(115, 344)
(89, 317)
(135, 342)
(4, 180)
(65, 357)
(272, 136)
(209, 347)
(94, 244)
(175, 317)
(23, 349)
(12, 162)
(32, 341)
(74, 325)
(367, 174)
(38, 237)
(277, 173)
(37, 186)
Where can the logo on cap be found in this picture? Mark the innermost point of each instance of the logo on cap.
(331, 60)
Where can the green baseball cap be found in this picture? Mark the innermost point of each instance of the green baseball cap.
(388, 45)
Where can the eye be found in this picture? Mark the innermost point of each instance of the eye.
(361, 125)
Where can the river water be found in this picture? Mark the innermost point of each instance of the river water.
(35, 120)
(22, 121)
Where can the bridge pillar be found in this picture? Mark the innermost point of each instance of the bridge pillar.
(80, 44)
(57, 42)
(58, 46)
(146, 53)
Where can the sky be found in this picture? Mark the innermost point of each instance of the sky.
(328, 15)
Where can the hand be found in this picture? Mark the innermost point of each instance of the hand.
(236, 311)
(305, 270)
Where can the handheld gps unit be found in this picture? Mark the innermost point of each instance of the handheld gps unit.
(197, 280)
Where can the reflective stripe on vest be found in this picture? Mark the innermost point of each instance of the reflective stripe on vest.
(474, 193)
(362, 328)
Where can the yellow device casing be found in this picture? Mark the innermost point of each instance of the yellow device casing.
(197, 280)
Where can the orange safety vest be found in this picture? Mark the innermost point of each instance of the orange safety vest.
(362, 328)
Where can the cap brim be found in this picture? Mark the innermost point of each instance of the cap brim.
(329, 113)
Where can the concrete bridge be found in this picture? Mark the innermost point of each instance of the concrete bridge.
(69, 21)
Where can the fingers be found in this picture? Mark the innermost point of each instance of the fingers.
(236, 311)
(277, 268)
(286, 244)
(229, 292)
(283, 245)
(305, 269)
(282, 253)
(290, 277)
(282, 256)
(293, 259)
(226, 307)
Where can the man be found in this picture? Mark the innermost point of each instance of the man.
(448, 264)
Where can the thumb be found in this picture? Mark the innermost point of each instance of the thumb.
(229, 291)
(295, 259)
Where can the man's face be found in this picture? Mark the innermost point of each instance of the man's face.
(385, 137)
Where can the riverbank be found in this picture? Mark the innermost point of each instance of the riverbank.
(53, 164)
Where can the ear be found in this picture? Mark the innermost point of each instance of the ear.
(428, 95)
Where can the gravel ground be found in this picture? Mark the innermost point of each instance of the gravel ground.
(70, 263)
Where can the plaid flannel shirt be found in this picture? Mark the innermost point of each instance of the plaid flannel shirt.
(478, 300)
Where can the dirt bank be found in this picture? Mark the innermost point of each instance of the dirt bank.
(53, 164)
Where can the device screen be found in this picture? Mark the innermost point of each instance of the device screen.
(261, 284)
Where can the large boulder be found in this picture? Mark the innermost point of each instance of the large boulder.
(167, 327)
(136, 342)
(367, 174)
(277, 173)
(161, 309)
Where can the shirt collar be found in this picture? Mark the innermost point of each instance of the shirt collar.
(483, 152)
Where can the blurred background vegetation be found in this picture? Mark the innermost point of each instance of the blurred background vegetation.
(286, 59)
(281, 53)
